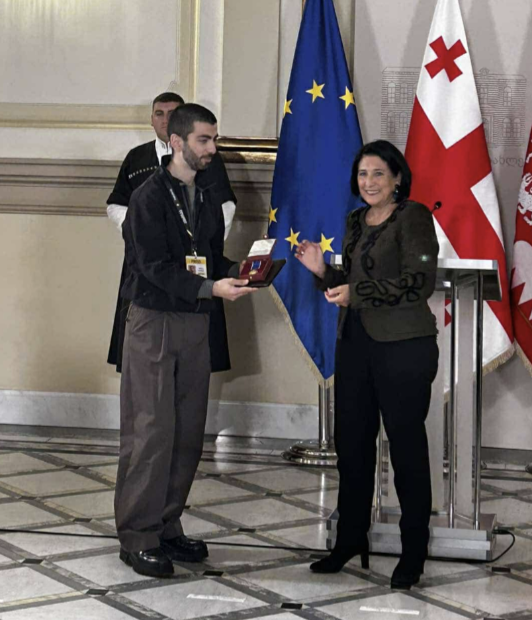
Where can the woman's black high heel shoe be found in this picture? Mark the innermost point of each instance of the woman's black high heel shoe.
(339, 556)
(406, 574)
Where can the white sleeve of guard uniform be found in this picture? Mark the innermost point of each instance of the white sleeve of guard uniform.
(229, 209)
(117, 215)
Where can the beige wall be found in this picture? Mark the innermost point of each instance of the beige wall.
(59, 278)
(62, 261)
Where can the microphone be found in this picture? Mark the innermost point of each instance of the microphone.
(437, 205)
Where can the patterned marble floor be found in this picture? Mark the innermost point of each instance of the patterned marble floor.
(244, 494)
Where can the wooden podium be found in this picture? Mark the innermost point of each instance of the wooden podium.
(454, 425)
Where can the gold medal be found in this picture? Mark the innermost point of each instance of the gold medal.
(253, 272)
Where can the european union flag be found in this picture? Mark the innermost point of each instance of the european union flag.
(311, 194)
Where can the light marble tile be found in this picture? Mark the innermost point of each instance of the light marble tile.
(211, 490)
(226, 450)
(311, 536)
(179, 602)
(512, 486)
(494, 594)
(326, 498)
(509, 511)
(90, 505)
(109, 471)
(16, 514)
(222, 467)
(193, 525)
(109, 522)
(260, 512)
(79, 441)
(23, 583)
(84, 459)
(4, 559)
(52, 483)
(225, 556)
(526, 573)
(85, 609)
(520, 552)
(44, 545)
(17, 461)
(106, 570)
(394, 602)
(285, 479)
(299, 583)
(384, 565)
(278, 617)
(22, 436)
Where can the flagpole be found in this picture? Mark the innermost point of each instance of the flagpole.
(321, 451)
(337, 125)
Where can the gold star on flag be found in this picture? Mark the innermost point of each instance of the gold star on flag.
(325, 244)
(293, 239)
(271, 215)
(316, 91)
(287, 109)
(348, 98)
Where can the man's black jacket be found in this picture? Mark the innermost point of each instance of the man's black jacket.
(157, 243)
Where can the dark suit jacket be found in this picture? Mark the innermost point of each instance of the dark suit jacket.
(391, 272)
(157, 243)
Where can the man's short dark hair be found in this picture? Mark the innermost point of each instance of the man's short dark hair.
(183, 118)
(167, 98)
(396, 163)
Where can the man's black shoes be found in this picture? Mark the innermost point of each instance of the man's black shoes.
(158, 562)
(152, 562)
(184, 549)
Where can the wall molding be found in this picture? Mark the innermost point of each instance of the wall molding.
(100, 411)
(81, 187)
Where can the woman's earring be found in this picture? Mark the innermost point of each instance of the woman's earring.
(395, 194)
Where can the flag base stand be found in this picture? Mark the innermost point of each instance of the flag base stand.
(311, 453)
(528, 468)
(318, 452)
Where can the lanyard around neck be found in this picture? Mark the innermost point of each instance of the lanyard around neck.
(182, 215)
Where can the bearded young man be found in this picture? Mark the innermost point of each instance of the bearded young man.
(174, 235)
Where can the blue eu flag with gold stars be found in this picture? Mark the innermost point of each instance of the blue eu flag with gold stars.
(311, 193)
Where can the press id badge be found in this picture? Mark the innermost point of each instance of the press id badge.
(197, 265)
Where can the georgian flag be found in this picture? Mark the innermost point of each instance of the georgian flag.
(449, 158)
(522, 266)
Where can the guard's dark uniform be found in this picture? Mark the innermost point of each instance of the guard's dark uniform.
(140, 163)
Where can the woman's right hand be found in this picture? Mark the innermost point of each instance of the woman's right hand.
(311, 256)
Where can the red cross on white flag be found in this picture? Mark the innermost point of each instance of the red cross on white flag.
(449, 158)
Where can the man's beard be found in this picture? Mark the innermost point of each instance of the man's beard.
(193, 161)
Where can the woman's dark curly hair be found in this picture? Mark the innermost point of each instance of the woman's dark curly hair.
(396, 163)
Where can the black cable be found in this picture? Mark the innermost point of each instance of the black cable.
(497, 531)
(503, 532)
(209, 542)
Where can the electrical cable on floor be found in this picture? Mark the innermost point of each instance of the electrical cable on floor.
(497, 531)
(209, 542)
(503, 532)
